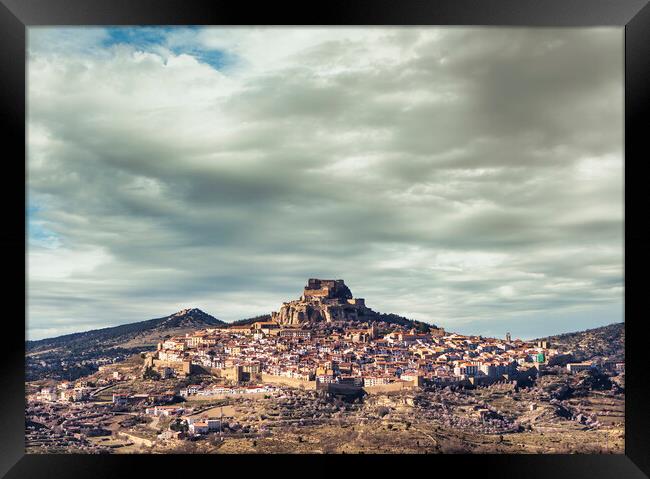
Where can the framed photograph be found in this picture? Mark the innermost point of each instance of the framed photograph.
(345, 236)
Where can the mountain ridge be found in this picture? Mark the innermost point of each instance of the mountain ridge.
(191, 318)
(600, 343)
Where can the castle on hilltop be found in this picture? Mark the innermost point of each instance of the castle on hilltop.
(322, 300)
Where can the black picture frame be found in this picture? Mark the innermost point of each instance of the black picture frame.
(17, 15)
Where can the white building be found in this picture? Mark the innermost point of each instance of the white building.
(576, 367)
(376, 381)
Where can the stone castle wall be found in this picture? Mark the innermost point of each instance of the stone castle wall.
(327, 288)
(184, 367)
(292, 382)
(390, 387)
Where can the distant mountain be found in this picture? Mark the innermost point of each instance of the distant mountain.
(144, 332)
(76, 355)
(606, 343)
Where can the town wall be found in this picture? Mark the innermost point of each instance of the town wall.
(159, 363)
(390, 387)
(184, 367)
(292, 382)
(212, 397)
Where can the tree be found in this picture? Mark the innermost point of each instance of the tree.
(150, 373)
(179, 425)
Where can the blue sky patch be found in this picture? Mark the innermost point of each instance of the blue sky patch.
(37, 233)
(150, 38)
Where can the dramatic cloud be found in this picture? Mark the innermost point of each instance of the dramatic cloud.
(467, 177)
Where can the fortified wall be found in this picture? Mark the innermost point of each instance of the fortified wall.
(326, 288)
(286, 381)
(185, 367)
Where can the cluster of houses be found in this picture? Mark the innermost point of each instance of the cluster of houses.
(125, 399)
(221, 390)
(360, 354)
(64, 391)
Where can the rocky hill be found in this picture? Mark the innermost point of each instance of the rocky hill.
(79, 354)
(187, 319)
(371, 317)
(330, 301)
(604, 343)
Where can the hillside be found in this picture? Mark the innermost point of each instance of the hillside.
(72, 356)
(247, 321)
(606, 343)
(387, 318)
(186, 319)
(79, 354)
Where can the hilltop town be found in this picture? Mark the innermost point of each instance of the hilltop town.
(326, 365)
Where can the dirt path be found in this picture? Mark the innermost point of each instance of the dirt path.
(154, 423)
(228, 411)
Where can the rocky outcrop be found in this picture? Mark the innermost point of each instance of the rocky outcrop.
(322, 300)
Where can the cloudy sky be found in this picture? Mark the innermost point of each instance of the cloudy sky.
(472, 178)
